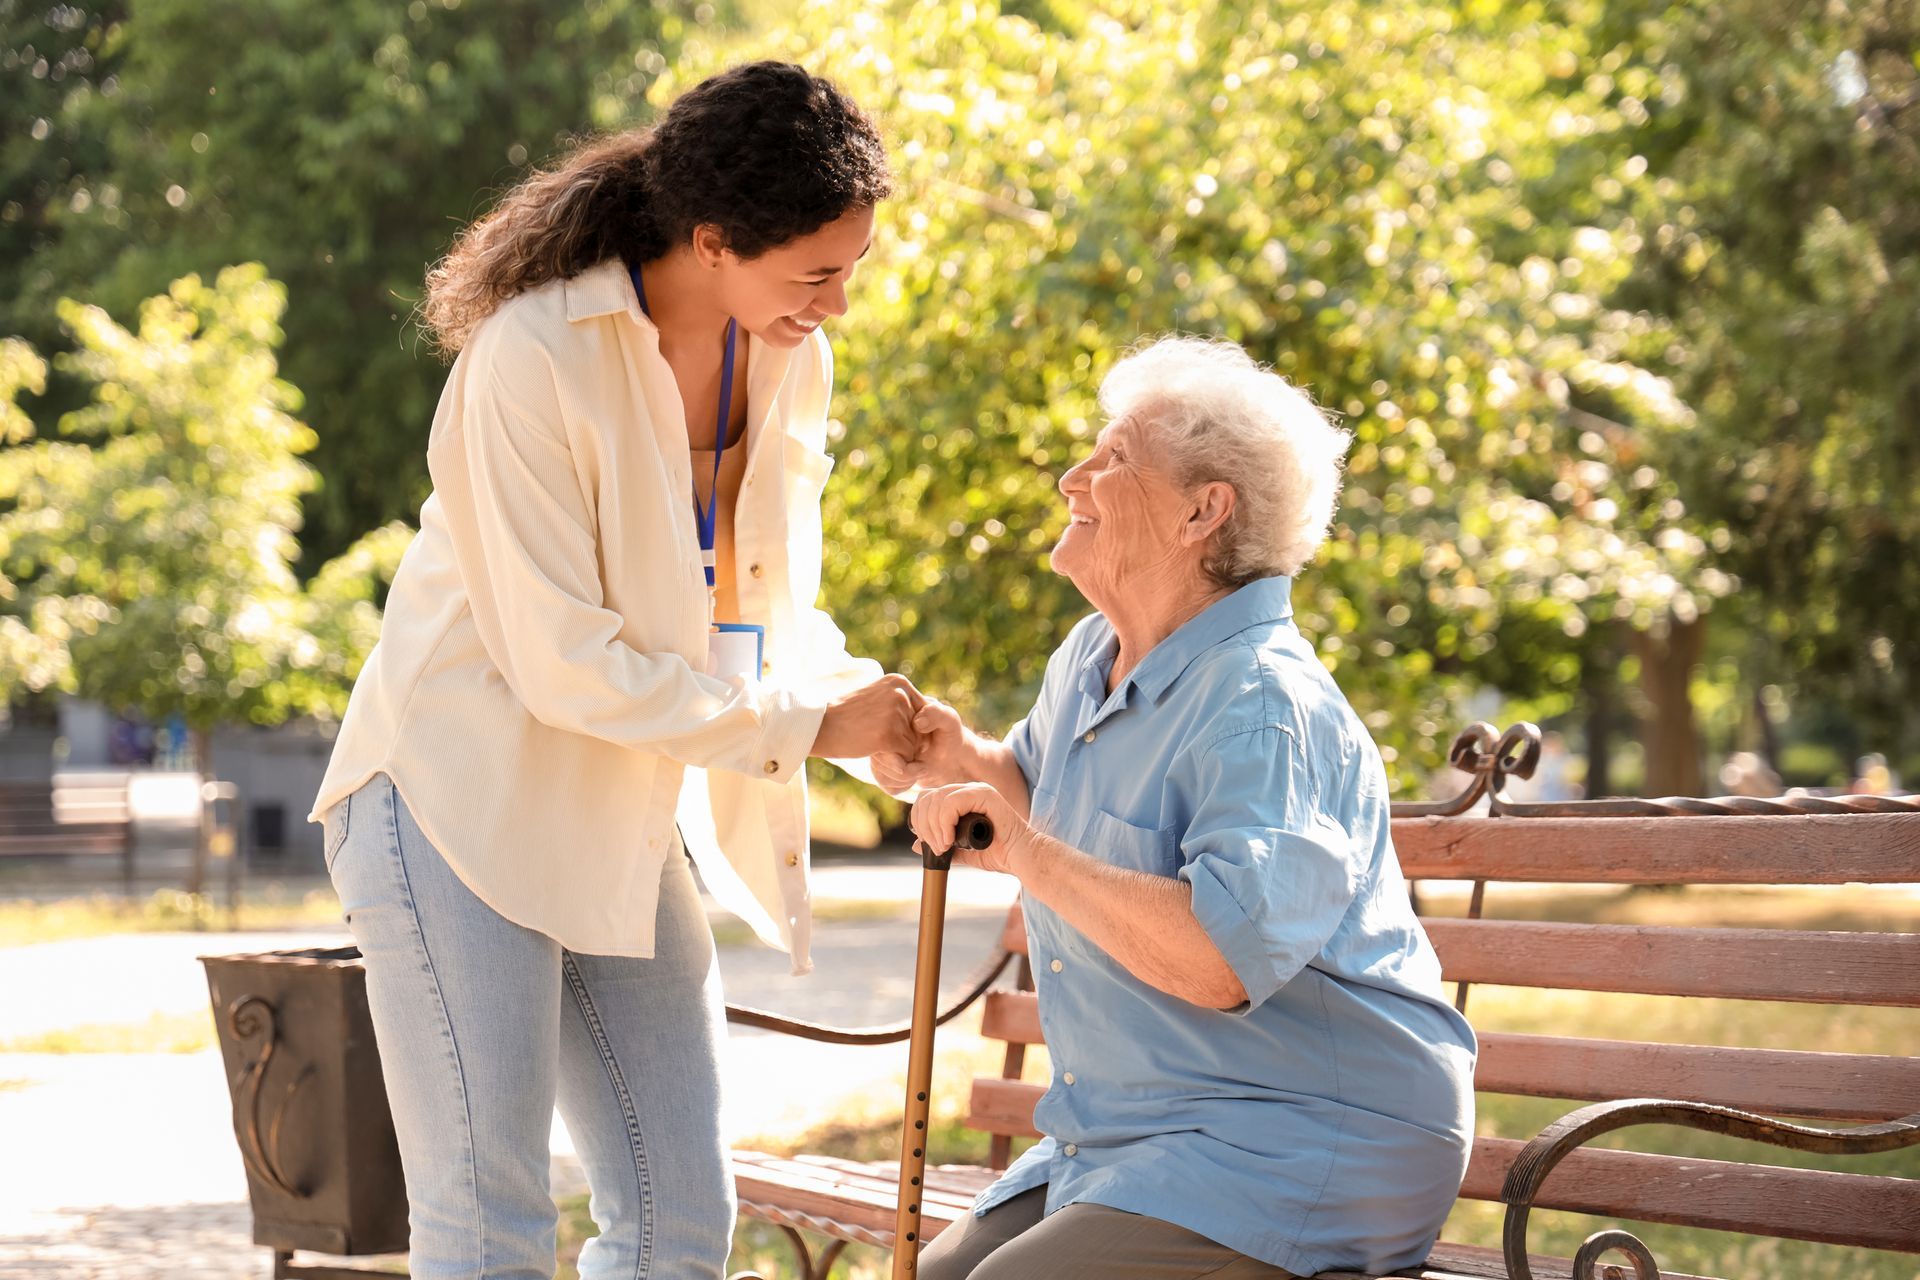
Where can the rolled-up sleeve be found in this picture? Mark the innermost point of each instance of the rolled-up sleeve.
(524, 538)
(1272, 877)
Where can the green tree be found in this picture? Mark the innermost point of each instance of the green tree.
(146, 559)
(341, 144)
(1782, 215)
(1354, 192)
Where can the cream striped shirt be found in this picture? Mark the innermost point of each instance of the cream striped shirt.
(539, 693)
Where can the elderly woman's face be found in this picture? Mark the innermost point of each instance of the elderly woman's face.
(1127, 518)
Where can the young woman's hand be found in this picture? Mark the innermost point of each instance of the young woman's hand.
(937, 814)
(874, 719)
(936, 760)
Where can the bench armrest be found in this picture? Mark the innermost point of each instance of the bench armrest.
(1575, 1129)
(978, 983)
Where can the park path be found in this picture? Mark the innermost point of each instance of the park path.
(124, 1167)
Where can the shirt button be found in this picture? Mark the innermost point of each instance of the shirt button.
(1072, 1150)
(773, 766)
(1068, 1077)
(1056, 966)
(1089, 737)
(754, 569)
(793, 859)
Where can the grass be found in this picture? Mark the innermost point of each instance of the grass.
(866, 1130)
(24, 922)
(160, 1033)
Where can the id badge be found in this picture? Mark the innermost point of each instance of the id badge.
(736, 649)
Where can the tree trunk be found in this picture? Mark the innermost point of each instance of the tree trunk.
(1769, 731)
(1599, 678)
(202, 762)
(1669, 735)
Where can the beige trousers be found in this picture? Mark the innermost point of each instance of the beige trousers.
(1080, 1242)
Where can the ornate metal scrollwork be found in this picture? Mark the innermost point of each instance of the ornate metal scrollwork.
(1492, 757)
(1575, 1129)
(252, 1018)
(1601, 1243)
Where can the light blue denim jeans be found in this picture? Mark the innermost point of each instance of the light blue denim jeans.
(484, 1026)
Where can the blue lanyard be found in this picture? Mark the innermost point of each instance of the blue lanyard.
(706, 519)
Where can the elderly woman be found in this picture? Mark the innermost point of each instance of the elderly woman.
(1254, 1071)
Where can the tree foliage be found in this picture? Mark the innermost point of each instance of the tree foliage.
(1349, 191)
(341, 144)
(1783, 240)
(146, 556)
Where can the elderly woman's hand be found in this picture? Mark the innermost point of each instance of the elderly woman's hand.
(937, 814)
(937, 759)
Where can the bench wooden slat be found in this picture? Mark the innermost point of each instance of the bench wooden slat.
(1013, 935)
(1003, 1106)
(1013, 1016)
(1825, 1086)
(1741, 964)
(857, 1193)
(60, 845)
(1862, 1210)
(1473, 1262)
(1814, 849)
(1799, 1204)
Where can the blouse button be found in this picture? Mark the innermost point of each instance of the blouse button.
(1068, 1077)
(1089, 737)
(1056, 966)
(754, 569)
(773, 766)
(793, 859)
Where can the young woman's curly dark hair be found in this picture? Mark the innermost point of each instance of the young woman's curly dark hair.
(766, 152)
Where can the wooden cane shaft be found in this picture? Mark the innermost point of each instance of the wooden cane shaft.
(913, 1128)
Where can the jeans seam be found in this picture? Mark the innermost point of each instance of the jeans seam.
(446, 1021)
(577, 984)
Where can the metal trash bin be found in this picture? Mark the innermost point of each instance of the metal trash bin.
(309, 1105)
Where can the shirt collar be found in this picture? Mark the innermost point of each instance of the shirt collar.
(604, 290)
(1262, 600)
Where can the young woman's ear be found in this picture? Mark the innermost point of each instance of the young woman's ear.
(1212, 507)
(709, 245)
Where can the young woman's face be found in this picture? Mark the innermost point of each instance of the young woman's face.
(787, 292)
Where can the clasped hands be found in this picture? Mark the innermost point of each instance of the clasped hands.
(913, 740)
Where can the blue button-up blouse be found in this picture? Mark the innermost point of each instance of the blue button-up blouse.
(1325, 1123)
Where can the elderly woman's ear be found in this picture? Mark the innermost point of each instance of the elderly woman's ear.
(1213, 506)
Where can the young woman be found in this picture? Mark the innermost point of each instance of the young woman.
(614, 580)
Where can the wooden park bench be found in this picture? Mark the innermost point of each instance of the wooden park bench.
(73, 815)
(1842, 1103)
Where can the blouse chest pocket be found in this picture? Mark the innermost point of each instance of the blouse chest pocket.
(1122, 844)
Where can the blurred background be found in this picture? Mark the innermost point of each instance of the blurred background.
(1620, 298)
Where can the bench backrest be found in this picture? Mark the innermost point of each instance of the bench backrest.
(74, 813)
(1677, 845)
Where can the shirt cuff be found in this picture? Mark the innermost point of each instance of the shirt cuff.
(791, 723)
(1230, 929)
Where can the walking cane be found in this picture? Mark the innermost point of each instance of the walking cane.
(974, 832)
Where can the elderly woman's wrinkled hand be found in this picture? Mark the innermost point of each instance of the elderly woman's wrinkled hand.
(936, 817)
(935, 761)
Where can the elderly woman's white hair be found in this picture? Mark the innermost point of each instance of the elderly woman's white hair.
(1216, 414)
